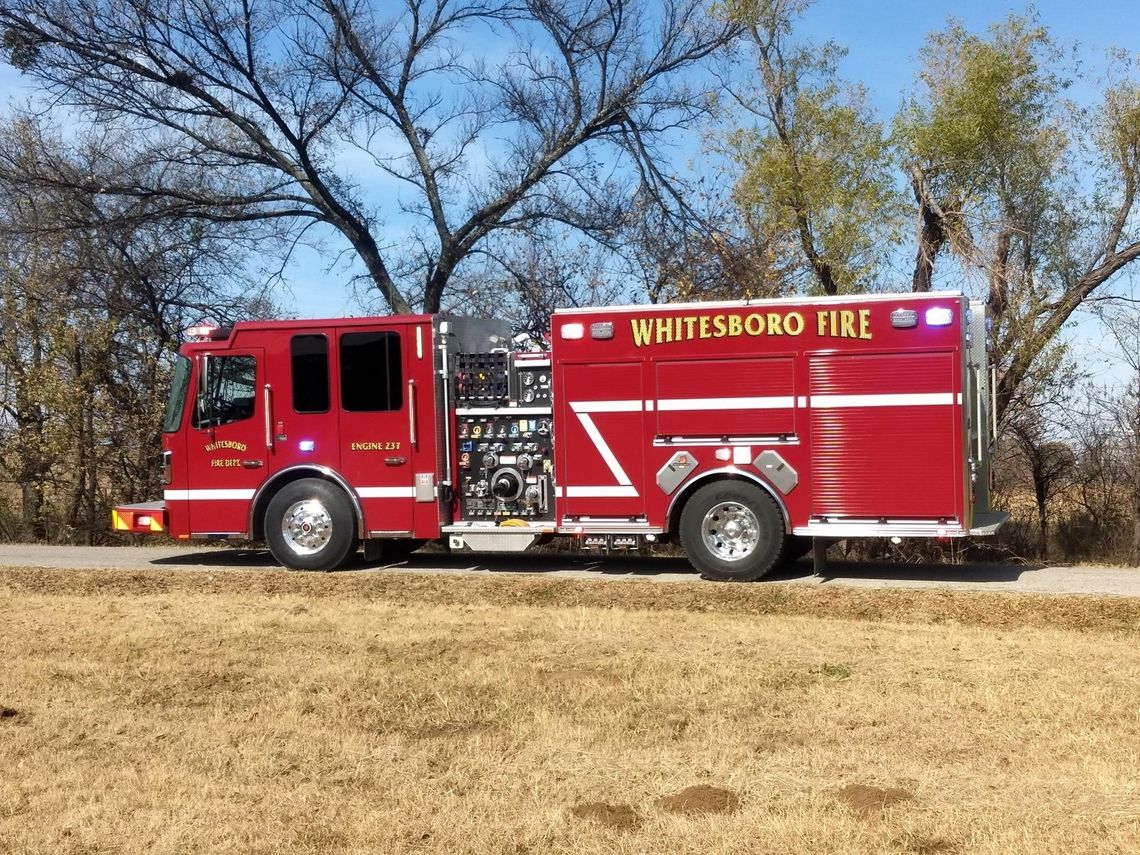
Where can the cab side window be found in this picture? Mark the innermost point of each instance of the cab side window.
(370, 372)
(310, 357)
(230, 391)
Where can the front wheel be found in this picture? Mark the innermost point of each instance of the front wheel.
(732, 531)
(310, 525)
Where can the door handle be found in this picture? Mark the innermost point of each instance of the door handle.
(412, 413)
(268, 417)
(252, 464)
(394, 461)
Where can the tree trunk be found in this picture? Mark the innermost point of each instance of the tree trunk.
(1134, 556)
(931, 238)
(32, 500)
(931, 231)
(1040, 494)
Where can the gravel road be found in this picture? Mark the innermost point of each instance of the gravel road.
(1027, 579)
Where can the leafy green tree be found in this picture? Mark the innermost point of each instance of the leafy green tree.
(815, 183)
(1032, 197)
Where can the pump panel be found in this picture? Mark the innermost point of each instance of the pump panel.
(504, 436)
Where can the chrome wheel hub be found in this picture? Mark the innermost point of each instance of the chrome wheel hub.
(731, 531)
(306, 527)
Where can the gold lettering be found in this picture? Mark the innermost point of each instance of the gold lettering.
(642, 330)
(865, 323)
(848, 318)
(230, 444)
(671, 330)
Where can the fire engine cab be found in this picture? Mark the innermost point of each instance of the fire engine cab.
(742, 429)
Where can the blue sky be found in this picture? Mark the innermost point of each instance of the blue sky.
(883, 40)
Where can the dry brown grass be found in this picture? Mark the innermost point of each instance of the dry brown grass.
(264, 712)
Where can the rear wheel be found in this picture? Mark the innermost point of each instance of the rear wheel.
(732, 531)
(310, 525)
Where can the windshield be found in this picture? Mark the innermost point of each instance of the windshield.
(179, 384)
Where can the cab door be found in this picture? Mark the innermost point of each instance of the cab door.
(228, 444)
(375, 427)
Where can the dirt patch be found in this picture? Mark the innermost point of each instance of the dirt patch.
(871, 801)
(621, 817)
(928, 845)
(772, 741)
(8, 712)
(699, 800)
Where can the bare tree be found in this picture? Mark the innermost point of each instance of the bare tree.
(475, 115)
(94, 293)
(1122, 319)
(1050, 461)
(523, 278)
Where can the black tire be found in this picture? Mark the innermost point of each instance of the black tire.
(732, 531)
(310, 525)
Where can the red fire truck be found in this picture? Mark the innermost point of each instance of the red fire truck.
(742, 429)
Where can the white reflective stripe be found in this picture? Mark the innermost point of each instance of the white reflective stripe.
(196, 495)
(604, 450)
(801, 401)
(762, 403)
(649, 406)
(923, 399)
(601, 492)
(386, 492)
(606, 406)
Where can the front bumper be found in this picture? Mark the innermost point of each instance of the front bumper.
(143, 518)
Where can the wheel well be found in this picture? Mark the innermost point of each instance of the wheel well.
(686, 493)
(281, 480)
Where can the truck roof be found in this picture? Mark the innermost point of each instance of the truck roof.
(768, 301)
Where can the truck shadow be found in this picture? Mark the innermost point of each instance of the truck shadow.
(662, 568)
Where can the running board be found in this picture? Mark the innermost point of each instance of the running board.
(486, 537)
(984, 524)
(840, 530)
